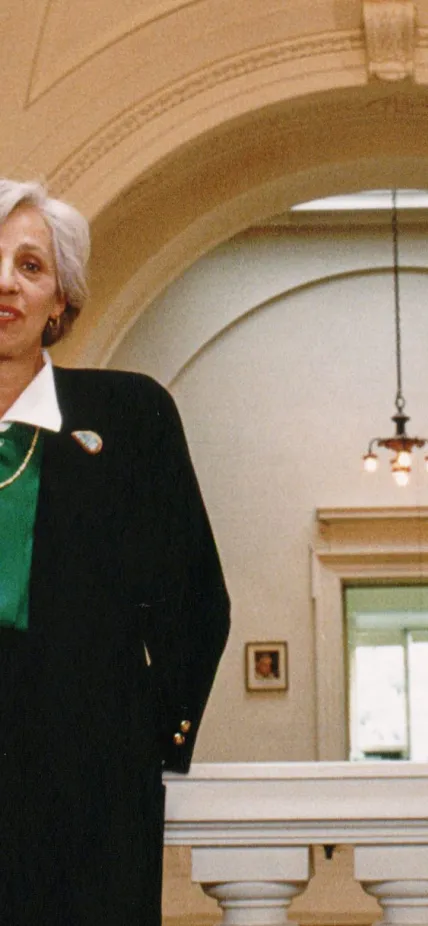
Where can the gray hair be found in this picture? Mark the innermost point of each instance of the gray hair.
(70, 240)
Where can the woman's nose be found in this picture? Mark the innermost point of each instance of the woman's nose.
(8, 280)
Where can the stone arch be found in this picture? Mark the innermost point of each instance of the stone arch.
(241, 172)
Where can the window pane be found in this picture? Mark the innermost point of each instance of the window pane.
(379, 704)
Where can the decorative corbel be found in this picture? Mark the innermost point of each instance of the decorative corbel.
(390, 38)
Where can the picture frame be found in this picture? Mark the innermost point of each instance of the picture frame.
(266, 666)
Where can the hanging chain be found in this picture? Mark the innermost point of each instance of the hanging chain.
(399, 399)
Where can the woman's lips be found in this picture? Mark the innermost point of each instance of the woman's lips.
(8, 313)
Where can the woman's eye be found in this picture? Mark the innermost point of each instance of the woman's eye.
(32, 266)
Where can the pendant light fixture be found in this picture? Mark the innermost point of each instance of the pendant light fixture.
(400, 443)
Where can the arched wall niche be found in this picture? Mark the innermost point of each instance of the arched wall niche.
(191, 317)
(244, 170)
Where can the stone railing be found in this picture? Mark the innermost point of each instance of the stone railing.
(251, 828)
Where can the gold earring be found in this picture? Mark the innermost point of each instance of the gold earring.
(54, 322)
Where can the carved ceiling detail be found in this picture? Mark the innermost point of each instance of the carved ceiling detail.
(300, 123)
(150, 108)
(50, 68)
(390, 38)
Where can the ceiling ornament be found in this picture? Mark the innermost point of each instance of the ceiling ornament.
(390, 38)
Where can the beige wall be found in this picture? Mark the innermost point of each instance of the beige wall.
(279, 349)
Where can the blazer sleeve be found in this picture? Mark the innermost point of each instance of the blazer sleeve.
(189, 625)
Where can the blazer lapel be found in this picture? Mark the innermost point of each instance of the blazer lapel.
(69, 483)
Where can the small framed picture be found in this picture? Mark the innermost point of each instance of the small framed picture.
(266, 666)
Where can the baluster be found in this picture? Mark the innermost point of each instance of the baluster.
(254, 886)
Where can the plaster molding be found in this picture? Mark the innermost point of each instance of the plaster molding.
(390, 38)
(37, 49)
(300, 120)
(40, 83)
(148, 109)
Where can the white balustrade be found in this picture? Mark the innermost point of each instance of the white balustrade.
(251, 827)
(398, 877)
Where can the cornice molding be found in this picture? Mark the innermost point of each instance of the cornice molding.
(332, 515)
(390, 38)
(148, 109)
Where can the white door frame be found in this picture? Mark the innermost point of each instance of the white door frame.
(366, 545)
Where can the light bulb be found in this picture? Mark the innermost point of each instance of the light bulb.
(370, 462)
(400, 472)
(404, 458)
(401, 477)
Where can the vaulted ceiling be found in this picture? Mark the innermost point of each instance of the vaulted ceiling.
(173, 125)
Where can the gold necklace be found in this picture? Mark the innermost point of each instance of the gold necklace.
(25, 462)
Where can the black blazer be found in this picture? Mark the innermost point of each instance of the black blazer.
(123, 562)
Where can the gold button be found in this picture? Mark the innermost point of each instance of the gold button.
(179, 739)
(185, 726)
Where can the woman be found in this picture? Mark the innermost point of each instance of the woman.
(113, 610)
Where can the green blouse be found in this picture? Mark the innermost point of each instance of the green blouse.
(18, 503)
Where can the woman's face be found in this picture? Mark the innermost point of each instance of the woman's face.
(29, 292)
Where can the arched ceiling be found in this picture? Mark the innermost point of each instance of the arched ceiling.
(100, 92)
(173, 124)
(246, 170)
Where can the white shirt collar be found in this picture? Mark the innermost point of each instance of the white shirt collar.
(38, 404)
